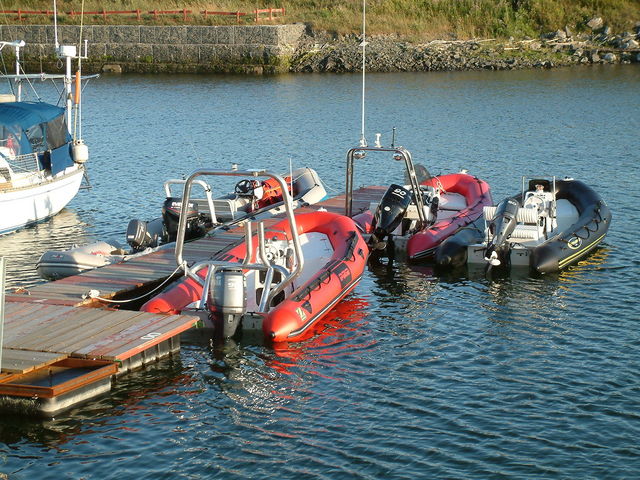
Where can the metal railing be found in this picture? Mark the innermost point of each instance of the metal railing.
(258, 14)
(24, 163)
(192, 270)
(399, 153)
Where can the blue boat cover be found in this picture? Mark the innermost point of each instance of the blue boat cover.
(32, 127)
(28, 114)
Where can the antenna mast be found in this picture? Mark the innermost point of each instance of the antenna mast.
(363, 44)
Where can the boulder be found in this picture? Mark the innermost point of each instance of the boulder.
(630, 44)
(609, 57)
(595, 23)
(560, 35)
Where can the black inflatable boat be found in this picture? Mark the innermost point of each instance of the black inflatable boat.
(552, 224)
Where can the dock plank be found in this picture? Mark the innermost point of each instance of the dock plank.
(141, 336)
(24, 361)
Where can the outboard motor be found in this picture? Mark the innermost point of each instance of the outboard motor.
(228, 299)
(171, 216)
(141, 234)
(501, 227)
(389, 214)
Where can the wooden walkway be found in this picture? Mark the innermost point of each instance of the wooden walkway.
(130, 277)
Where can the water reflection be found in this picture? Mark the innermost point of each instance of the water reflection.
(263, 377)
(23, 248)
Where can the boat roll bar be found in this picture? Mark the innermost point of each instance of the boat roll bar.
(246, 264)
(399, 153)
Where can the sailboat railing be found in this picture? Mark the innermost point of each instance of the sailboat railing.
(24, 163)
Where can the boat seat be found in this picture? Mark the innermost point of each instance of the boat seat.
(566, 214)
(526, 232)
(452, 201)
(226, 209)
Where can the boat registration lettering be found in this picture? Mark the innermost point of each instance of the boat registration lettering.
(301, 314)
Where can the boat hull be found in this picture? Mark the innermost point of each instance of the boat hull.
(422, 245)
(24, 206)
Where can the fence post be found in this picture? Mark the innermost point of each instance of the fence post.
(270, 13)
(184, 14)
(19, 15)
(238, 17)
(2, 275)
(104, 13)
(138, 13)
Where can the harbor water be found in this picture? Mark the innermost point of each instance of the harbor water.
(415, 375)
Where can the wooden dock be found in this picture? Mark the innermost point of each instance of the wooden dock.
(62, 347)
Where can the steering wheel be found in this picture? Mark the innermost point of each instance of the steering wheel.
(245, 187)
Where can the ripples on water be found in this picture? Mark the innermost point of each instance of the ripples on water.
(416, 375)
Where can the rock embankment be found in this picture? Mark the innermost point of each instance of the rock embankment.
(318, 52)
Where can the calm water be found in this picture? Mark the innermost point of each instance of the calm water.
(415, 376)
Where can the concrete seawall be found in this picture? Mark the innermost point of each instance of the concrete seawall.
(253, 49)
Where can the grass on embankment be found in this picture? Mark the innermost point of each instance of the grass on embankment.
(412, 19)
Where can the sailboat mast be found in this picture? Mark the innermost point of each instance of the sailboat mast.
(18, 82)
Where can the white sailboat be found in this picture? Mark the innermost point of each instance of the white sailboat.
(42, 155)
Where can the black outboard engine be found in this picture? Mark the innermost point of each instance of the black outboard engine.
(228, 299)
(196, 226)
(389, 214)
(141, 234)
(501, 227)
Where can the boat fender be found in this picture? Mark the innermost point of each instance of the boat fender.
(80, 152)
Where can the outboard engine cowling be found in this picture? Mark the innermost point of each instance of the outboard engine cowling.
(228, 294)
(141, 234)
(171, 216)
(501, 227)
(389, 214)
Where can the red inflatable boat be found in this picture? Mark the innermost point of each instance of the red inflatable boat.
(414, 219)
(278, 281)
